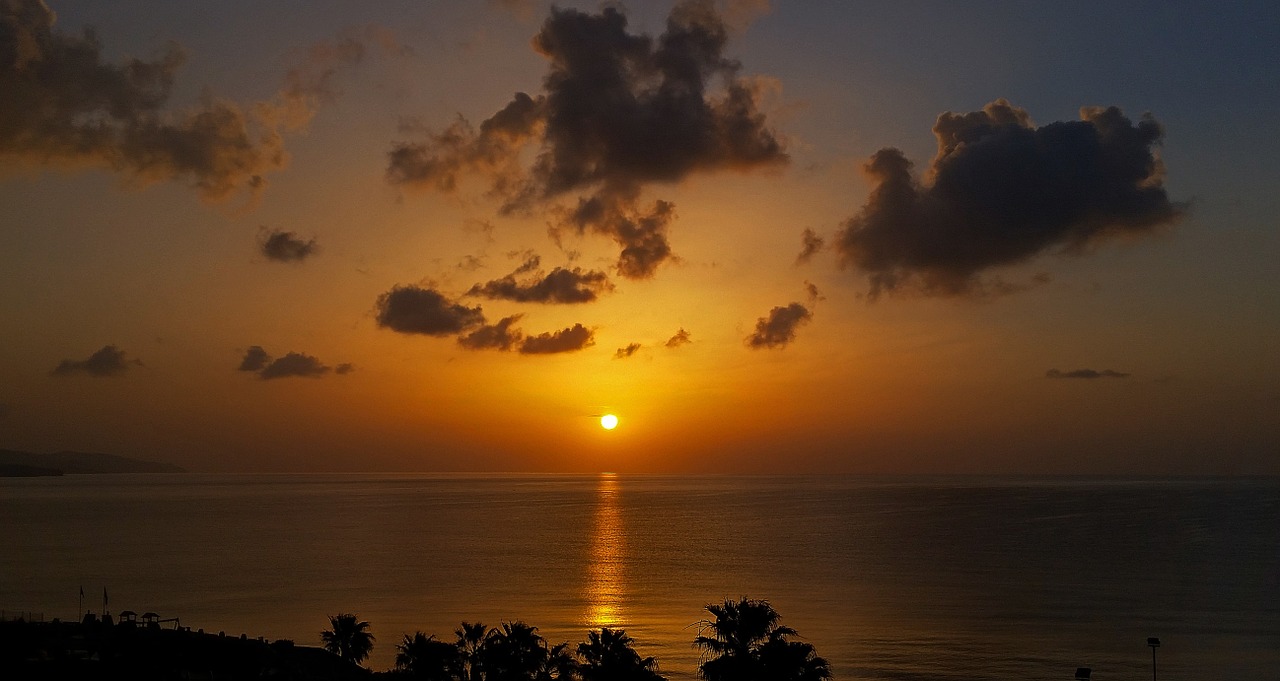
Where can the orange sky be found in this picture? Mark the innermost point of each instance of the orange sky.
(1047, 288)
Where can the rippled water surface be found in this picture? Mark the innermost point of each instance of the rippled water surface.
(902, 578)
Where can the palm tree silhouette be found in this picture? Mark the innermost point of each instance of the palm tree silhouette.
(745, 642)
(348, 637)
(470, 645)
(423, 657)
(515, 652)
(607, 655)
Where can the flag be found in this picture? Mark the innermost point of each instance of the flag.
(82, 591)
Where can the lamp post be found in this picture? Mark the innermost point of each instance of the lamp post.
(1154, 643)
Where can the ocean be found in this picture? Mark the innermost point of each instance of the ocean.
(889, 578)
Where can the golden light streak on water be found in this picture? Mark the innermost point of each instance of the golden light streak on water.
(606, 579)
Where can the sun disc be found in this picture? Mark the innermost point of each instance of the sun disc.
(608, 421)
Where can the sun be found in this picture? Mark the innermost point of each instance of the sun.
(608, 421)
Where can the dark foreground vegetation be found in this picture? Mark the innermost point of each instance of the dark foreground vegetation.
(741, 640)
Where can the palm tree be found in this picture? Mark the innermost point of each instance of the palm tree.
(745, 642)
(348, 637)
(423, 657)
(470, 645)
(516, 652)
(607, 655)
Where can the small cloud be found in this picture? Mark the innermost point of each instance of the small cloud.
(812, 291)
(344, 368)
(294, 364)
(811, 243)
(681, 338)
(626, 352)
(255, 359)
(412, 309)
(109, 361)
(283, 246)
(779, 328)
(498, 336)
(560, 286)
(1084, 373)
(573, 338)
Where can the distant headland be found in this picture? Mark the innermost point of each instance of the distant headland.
(15, 463)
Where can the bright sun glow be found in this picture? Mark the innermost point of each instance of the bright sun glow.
(608, 421)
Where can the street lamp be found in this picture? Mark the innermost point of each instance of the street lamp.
(1154, 643)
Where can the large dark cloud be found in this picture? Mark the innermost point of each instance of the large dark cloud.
(65, 105)
(412, 309)
(1001, 191)
(499, 336)
(109, 361)
(561, 285)
(284, 246)
(1085, 373)
(779, 328)
(618, 111)
(573, 338)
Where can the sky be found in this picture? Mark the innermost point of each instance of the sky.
(818, 237)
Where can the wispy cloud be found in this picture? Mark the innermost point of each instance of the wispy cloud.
(282, 246)
(1084, 373)
(109, 361)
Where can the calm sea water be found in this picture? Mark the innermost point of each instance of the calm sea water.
(910, 578)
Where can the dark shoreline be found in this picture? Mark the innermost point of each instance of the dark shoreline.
(93, 649)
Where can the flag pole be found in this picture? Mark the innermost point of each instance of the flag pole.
(80, 617)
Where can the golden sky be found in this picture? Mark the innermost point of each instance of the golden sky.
(800, 237)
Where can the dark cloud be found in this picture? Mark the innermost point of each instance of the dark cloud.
(1084, 373)
(109, 361)
(559, 286)
(411, 309)
(779, 328)
(286, 246)
(255, 359)
(64, 105)
(626, 352)
(498, 336)
(618, 111)
(811, 243)
(294, 364)
(1001, 191)
(573, 338)
(344, 368)
(681, 338)
(812, 290)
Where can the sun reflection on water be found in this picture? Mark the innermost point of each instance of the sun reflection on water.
(606, 581)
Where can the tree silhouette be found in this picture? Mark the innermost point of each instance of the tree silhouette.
(515, 652)
(423, 657)
(607, 655)
(470, 646)
(745, 642)
(348, 637)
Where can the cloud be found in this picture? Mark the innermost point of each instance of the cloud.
(1001, 191)
(255, 359)
(681, 338)
(284, 246)
(811, 243)
(779, 328)
(1084, 373)
(294, 364)
(412, 309)
(258, 361)
(498, 336)
(66, 106)
(618, 111)
(344, 368)
(626, 352)
(559, 286)
(812, 291)
(573, 338)
(109, 361)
